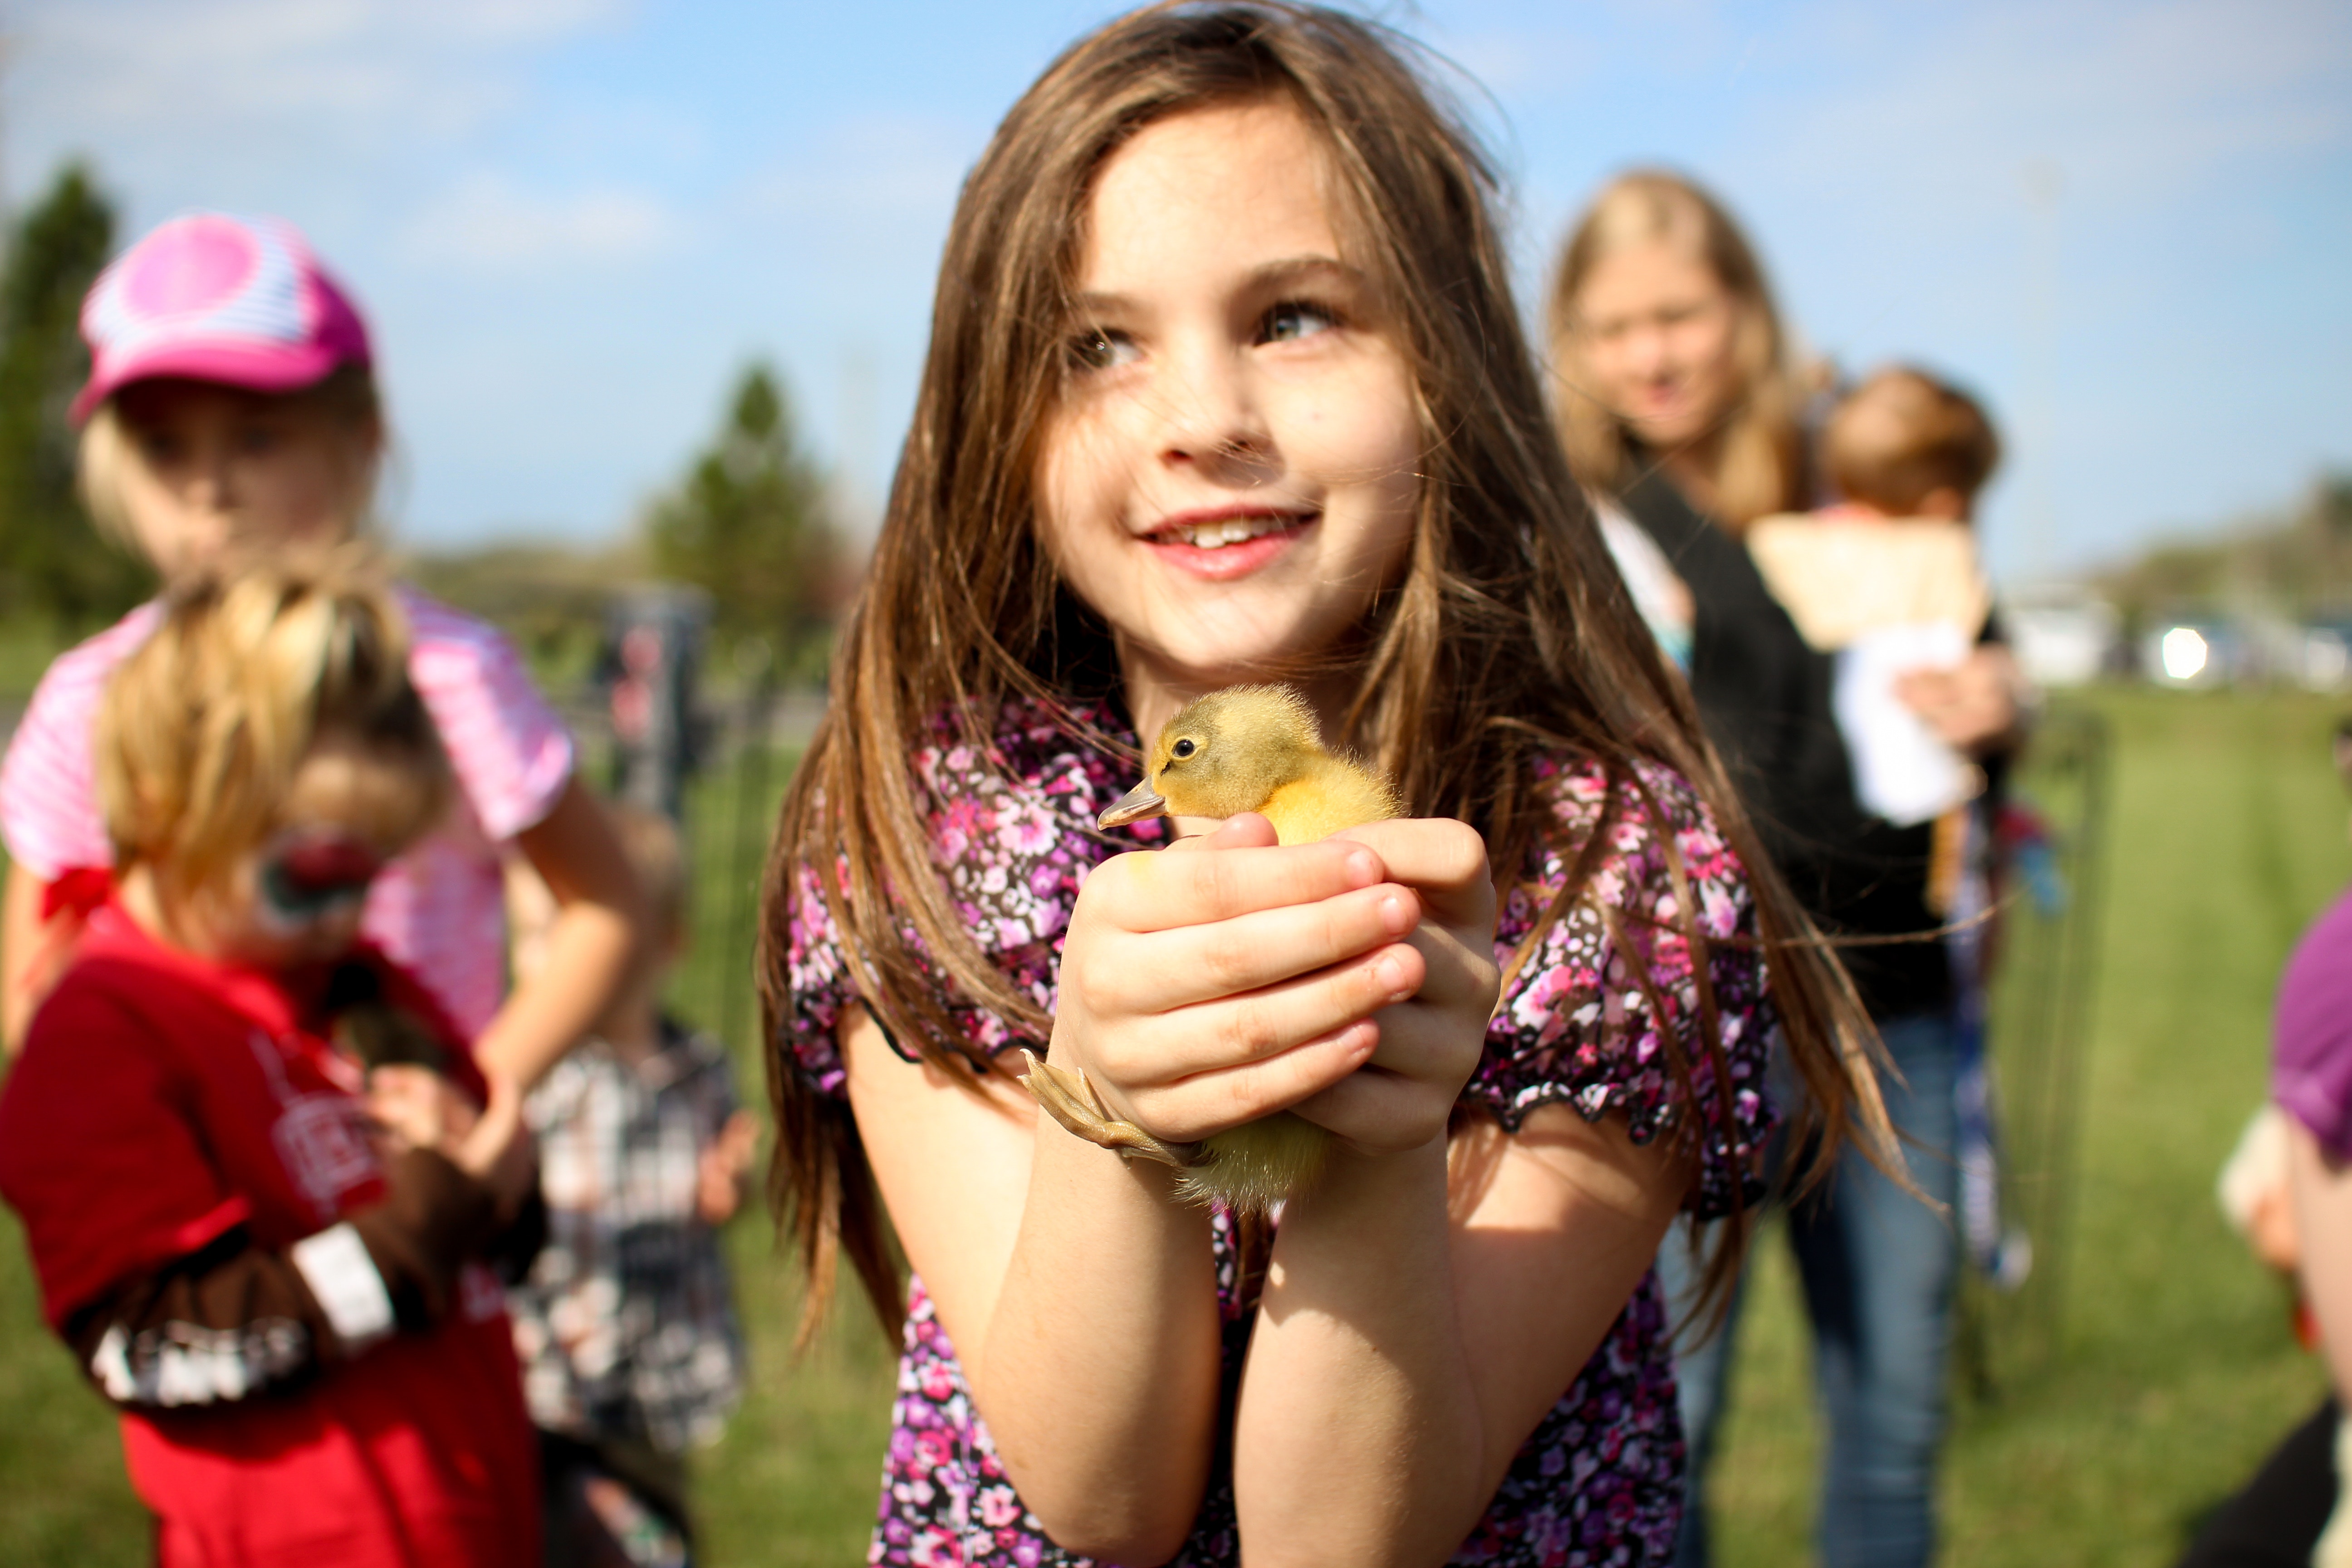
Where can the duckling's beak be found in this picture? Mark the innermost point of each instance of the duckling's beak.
(1136, 804)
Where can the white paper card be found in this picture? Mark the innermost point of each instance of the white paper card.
(1902, 771)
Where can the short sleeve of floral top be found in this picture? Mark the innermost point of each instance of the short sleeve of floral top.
(1582, 1022)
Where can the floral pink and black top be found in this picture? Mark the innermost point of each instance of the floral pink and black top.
(1600, 1480)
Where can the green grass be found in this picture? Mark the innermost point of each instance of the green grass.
(2173, 1371)
(27, 644)
(797, 1477)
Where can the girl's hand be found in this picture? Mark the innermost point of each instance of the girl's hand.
(1429, 1044)
(1224, 978)
(723, 1172)
(497, 1150)
(417, 1107)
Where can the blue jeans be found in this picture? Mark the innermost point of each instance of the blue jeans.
(1879, 1269)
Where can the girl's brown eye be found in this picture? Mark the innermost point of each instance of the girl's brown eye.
(1296, 318)
(1098, 350)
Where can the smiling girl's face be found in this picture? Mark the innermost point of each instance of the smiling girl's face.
(1660, 336)
(1231, 476)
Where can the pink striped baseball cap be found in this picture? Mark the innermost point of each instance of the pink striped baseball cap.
(214, 297)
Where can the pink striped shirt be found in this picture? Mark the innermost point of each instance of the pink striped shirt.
(440, 910)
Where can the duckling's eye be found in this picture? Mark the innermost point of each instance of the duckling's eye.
(1182, 750)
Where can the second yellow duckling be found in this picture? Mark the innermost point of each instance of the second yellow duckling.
(1246, 748)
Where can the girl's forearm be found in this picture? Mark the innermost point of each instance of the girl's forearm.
(1099, 1372)
(590, 945)
(22, 984)
(588, 952)
(1359, 1438)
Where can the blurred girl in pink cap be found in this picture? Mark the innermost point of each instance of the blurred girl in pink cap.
(232, 403)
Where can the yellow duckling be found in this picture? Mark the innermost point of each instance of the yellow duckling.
(1246, 748)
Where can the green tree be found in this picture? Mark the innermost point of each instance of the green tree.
(747, 526)
(52, 561)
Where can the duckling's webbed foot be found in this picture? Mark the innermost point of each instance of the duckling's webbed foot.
(1070, 1100)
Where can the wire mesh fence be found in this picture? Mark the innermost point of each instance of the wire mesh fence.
(2048, 941)
(748, 741)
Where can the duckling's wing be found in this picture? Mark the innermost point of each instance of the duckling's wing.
(1335, 795)
(1256, 1166)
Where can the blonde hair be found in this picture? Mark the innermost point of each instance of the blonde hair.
(346, 397)
(203, 730)
(1759, 443)
(1903, 435)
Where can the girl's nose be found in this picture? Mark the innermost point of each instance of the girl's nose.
(1647, 354)
(211, 484)
(1212, 420)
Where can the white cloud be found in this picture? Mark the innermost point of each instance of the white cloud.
(194, 76)
(485, 222)
(871, 166)
(2131, 102)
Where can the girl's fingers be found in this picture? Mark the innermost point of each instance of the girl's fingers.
(1462, 974)
(1164, 1050)
(1161, 971)
(1173, 1072)
(1401, 1098)
(1185, 887)
(1442, 859)
(1427, 1043)
(1225, 978)
(1430, 1044)
(1214, 1101)
(1378, 1112)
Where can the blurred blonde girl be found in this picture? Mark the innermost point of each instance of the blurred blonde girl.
(1681, 406)
(269, 1262)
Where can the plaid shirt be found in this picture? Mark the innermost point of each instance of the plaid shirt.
(626, 1326)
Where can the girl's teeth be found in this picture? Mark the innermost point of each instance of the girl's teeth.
(1217, 535)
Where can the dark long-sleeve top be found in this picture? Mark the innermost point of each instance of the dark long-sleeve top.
(1764, 699)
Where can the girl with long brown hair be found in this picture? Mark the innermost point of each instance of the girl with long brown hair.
(1226, 385)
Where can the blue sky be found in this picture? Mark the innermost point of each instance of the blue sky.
(572, 221)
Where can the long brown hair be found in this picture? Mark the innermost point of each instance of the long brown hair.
(1759, 449)
(1509, 634)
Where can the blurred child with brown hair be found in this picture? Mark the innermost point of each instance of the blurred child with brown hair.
(1889, 579)
(266, 1256)
(626, 1325)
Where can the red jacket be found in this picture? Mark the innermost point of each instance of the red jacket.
(169, 1113)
